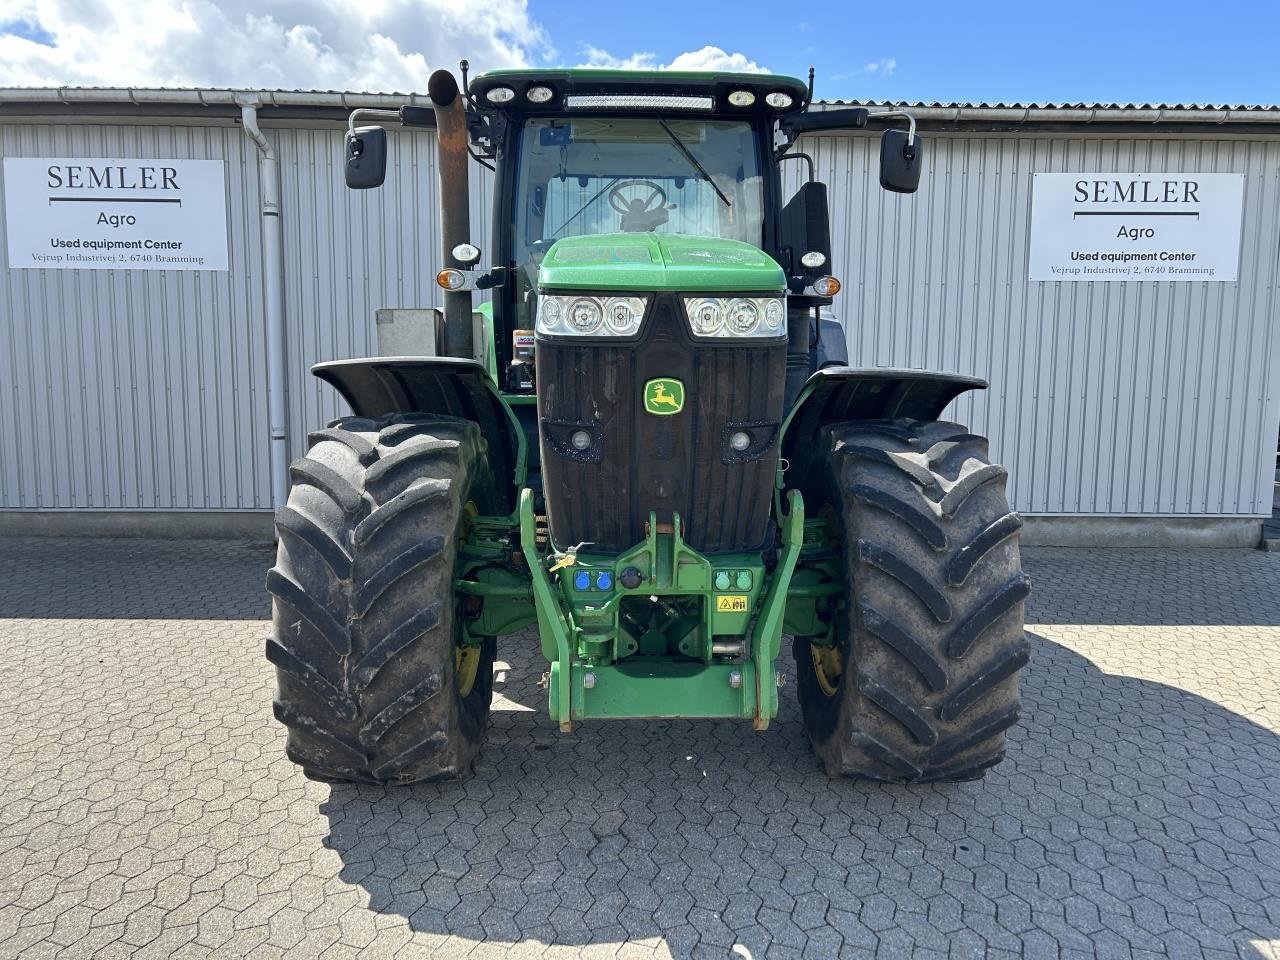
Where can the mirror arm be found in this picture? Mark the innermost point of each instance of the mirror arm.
(898, 115)
(480, 160)
(496, 277)
(369, 112)
(800, 156)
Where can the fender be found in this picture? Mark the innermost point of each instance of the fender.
(838, 394)
(448, 386)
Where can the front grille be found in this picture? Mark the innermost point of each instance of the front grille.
(639, 462)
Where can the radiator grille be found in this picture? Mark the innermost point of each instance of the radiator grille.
(666, 464)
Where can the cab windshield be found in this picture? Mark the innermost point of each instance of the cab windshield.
(591, 175)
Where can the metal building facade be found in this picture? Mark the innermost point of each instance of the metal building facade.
(147, 391)
(1106, 399)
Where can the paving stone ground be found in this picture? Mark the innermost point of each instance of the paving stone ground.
(147, 809)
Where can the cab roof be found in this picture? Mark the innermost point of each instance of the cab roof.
(668, 90)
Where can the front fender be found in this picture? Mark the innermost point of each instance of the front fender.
(448, 386)
(838, 394)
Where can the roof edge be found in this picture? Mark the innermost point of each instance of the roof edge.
(194, 100)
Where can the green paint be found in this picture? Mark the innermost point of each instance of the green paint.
(664, 396)
(603, 630)
(553, 629)
(664, 689)
(767, 637)
(646, 651)
(653, 262)
(488, 338)
(508, 601)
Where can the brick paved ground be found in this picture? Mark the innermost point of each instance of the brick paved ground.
(146, 808)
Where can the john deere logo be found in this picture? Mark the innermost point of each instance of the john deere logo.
(664, 396)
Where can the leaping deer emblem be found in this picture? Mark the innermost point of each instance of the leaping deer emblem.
(660, 397)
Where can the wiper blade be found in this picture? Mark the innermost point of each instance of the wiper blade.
(694, 161)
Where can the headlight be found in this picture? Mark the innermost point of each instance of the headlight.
(736, 316)
(707, 316)
(578, 315)
(585, 315)
(623, 314)
(743, 316)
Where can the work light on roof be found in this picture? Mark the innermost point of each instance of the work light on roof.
(500, 95)
(539, 94)
(742, 98)
(778, 100)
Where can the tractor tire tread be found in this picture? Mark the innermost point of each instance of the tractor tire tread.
(933, 645)
(364, 620)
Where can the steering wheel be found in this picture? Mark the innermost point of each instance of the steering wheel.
(655, 200)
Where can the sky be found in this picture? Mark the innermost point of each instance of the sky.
(1028, 51)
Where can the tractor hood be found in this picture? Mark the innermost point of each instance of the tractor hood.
(653, 262)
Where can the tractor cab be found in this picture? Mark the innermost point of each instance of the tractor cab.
(598, 153)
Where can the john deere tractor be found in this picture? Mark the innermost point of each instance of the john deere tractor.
(647, 443)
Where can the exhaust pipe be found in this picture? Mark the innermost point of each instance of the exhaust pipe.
(455, 219)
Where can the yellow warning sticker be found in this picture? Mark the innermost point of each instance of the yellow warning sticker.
(732, 603)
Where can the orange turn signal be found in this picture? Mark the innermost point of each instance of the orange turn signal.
(450, 279)
(826, 286)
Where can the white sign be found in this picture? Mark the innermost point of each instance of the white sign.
(1136, 226)
(91, 214)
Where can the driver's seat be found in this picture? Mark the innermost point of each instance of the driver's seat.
(639, 220)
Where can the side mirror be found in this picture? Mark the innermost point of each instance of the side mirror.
(366, 154)
(805, 229)
(900, 161)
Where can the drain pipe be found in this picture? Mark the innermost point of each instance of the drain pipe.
(273, 294)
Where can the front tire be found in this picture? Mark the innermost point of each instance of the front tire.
(375, 684)
(922, 681)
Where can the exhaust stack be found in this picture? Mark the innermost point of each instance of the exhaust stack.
(455, 221)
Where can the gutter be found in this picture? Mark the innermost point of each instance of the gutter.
(273, 298)
(1075, 114)
(210, 98)
(936, 112)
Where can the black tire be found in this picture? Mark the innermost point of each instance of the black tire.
(923, 683)
(365, 625)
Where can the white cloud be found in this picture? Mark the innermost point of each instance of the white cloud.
(379, 45)
(883, 67)
(707, 58)
(603, 59)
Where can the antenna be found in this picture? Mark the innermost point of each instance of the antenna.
(810, 100)
(464, 66)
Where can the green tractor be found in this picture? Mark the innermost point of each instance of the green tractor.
(650, 445)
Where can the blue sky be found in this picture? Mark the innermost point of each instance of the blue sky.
(1082, 50)
(1085, 50)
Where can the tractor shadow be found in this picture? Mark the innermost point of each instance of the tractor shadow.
(89, 578)
(1127, 811)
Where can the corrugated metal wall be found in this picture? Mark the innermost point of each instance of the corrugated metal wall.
(147, 390)
(1156, 398)
(136, 389)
